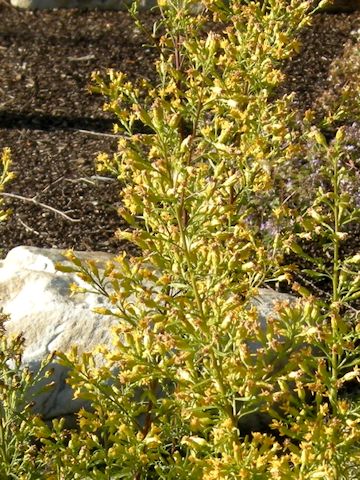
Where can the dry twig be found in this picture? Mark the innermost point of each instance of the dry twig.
(40, 204)
(99, 134)
(91, 180)
(26, 226)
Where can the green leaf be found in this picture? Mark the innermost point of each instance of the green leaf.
(315, 273)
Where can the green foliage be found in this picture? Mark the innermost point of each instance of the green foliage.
(203, 159)
(18, 426)
(5, 177)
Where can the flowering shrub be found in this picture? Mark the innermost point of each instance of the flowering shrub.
(197, 385)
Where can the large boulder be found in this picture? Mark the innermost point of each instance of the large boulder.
(36, 297)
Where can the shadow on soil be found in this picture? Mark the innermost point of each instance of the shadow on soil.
(33, 121)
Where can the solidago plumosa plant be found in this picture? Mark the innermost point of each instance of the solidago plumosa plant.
(201, 158)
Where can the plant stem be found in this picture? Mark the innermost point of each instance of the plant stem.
(335, 283)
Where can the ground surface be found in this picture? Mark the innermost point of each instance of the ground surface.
(55, 127)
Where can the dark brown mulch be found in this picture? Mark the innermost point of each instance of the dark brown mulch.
(55, 127)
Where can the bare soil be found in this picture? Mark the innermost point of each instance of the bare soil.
(55, 127)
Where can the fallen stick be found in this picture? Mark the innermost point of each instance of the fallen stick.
(40, 204)
(85, 58)
(99, 134)
(91, 180)
(27, 226)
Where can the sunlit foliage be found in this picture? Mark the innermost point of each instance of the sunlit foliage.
(198, 384)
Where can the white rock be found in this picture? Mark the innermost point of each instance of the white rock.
(36, 297)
